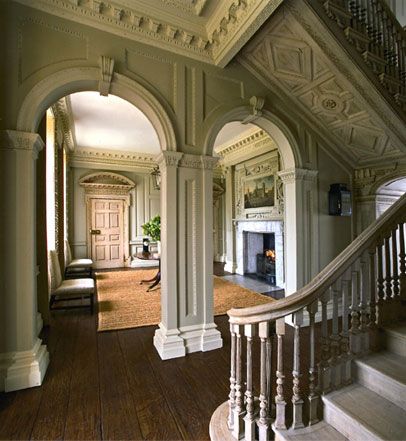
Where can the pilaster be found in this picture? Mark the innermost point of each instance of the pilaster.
(231, 259)
(301, 227)
(166, 339)
(23, 360)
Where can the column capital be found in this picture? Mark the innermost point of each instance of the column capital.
(298, 174)
(168, 158)
(16, 140)
(198, 161)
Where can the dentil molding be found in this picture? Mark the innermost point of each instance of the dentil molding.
(63, 117)
(214, 39)
(16, 140)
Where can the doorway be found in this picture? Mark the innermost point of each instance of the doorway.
(107, 233)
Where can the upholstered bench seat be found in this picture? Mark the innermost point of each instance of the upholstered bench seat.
(80, 263)
(71, 289)
(75, 287)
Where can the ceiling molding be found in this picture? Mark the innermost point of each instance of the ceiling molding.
(247, 147)
(123, 160)
(214, 39)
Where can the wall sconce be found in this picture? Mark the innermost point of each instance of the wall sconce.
(339, 200)
(156, 178)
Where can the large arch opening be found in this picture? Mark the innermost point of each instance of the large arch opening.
(267, 158)
(30, 120)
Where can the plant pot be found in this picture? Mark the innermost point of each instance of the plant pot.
(158, 244)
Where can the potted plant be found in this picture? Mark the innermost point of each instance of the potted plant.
(152, 228)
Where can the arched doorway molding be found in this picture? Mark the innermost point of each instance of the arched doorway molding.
(300, 225)
(272, 124)
(78, 79)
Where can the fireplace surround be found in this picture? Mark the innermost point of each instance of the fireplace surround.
(248, 245)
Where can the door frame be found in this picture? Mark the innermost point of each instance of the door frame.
(125, 240)
(108, 185)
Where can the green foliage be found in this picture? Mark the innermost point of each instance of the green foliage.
(153, 228)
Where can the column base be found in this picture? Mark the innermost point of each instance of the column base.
(201, 337)
(25, 369)
(230, 267)
(168, 343)
(179, 342)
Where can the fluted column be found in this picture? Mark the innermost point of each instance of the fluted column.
(231, 260)
(167, 340)
(24, 359)
(187, 255)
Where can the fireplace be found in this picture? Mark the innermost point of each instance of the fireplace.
(259, 249)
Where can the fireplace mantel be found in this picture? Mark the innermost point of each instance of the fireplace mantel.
(260, 226)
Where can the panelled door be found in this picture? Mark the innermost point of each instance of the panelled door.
(107, 233)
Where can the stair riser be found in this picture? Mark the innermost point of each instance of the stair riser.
(395, 343)
(381, 384)
(346, 425)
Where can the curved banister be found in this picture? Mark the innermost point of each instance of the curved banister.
(325, 279)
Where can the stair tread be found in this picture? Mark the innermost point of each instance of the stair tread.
(388, 363)
(317, 432)
(398, 330)
(375, 413)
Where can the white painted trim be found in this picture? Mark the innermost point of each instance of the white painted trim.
(24, 369)
(168, 343)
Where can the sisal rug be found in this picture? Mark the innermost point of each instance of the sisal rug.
(124, 303)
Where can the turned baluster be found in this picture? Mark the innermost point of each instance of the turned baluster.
(297, 401)
(264, 426)
(402, 264)
(354, 329)
(335, 340)
(231, 396)
(395, 271)
(389, 300)
(380, 287)
(249, 419)
(324, 374)
(237, 412)
(372, 323)
(280, 421)
(345, 339)
(313, 396)
(363, 303)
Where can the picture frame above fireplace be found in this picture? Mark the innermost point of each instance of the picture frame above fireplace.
(259, 192)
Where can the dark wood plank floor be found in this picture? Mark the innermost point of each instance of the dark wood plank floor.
(114, 386)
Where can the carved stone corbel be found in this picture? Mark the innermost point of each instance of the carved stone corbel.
(106, 74)
(256, 103)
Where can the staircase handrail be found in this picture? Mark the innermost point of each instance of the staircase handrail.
(318, 285)
(392, 18)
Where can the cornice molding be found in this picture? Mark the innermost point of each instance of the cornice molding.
(252, 145)
(16, 140)
(215, 42)
(81, 157)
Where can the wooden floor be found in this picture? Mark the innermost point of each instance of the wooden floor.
(114, 386)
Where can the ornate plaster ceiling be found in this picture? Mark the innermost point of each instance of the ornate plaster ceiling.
(285, 57)
(111, 123)
(212, 31)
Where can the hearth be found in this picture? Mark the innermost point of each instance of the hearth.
(260, 251)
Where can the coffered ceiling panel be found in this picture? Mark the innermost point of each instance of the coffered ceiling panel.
(283, 54)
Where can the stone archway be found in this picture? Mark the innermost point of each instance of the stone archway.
(300, 227)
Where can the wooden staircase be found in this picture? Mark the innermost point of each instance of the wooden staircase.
(354, 381)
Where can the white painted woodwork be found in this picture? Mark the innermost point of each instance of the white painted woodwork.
(107, 216)
(23, 359)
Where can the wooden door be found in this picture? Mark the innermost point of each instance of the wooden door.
(107, 233)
